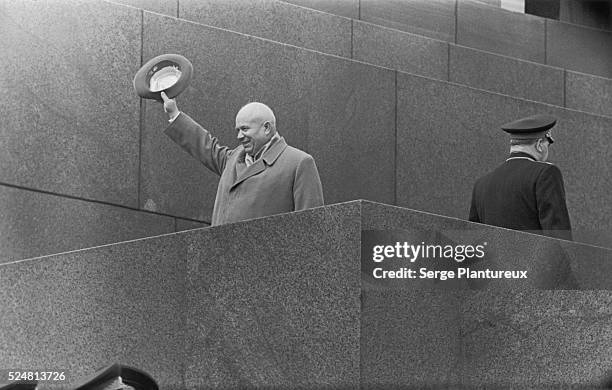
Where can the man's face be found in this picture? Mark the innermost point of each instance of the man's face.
(251, 133)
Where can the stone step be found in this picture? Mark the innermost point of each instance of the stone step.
(480, 45)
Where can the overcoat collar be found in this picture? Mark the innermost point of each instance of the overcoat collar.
(521, 155)
(268, 158)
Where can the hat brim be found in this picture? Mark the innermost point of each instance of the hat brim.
(169, 73)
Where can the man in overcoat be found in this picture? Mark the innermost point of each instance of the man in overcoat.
(526, 192)
(261, 177)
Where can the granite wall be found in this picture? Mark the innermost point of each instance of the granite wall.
(289, 306)
(90, 145)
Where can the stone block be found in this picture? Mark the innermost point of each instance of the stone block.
(434, 19)
(500, 31)
(83, 310)
(71, 116)
(510, 76)
(278, 307)
(578, 48)
(588, 93)
(346, 8)
(36, 224)
(449, 135)
(274, 20)
(400, 50)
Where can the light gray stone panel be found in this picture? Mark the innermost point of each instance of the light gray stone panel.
(588, 93)
(500, 31)
(449, 135)
(275, 20)
(510, 76)
(430, 18)
(84, 310)
(578, 48)
(36, 224)
(346, 8)
(70, 112)
(399, 50)
(275, 303)
(539, 339)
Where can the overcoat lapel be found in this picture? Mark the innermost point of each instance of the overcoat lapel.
(259, 166)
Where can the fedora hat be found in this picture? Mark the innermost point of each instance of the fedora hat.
(169, 73)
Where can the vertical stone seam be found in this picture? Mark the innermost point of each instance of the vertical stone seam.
(448, 62)
(545, 41)
(178, 6)
(456, 20)
(565, 88)
(141, 117)
(395, 141)
(352, 39)
(359, 9)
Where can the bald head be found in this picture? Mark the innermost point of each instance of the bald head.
(255, 126)
(258, 113)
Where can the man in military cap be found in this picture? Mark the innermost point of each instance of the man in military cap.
(526, 192)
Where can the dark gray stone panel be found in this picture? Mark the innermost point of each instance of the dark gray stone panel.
(506, 75)
(579, 48)
(449, 135)
(275, 20)
(500, 31)
(84, 310)
(274, 302)
(588, 93)
(346, 8)
(351, 129)
(320, 103)
(538, 339)
(399, 50)
(70, 112)
(165, 7)
(430, 18)
(36, 224)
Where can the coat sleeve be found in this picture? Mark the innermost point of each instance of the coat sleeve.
(552, 210)
(197, 141)
(307, 188)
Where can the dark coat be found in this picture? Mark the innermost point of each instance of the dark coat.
(284, 179)
(523, 194)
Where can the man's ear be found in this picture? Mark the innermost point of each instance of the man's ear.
(267, 127)
(539, 145)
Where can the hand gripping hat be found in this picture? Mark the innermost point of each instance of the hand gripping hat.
(169, 73)
(531, 127)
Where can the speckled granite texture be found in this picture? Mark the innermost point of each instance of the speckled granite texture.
(589, 93)
(500, 31)
(578, 48)
(281, 302)
(449, 135)
(71, 123)
(36, 224)
(347, 8)
(318, 106)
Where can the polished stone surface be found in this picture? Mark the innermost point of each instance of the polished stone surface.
(500, 31)
(400, 50)
(430, 18)
(346, 8)
(318, 104)
(83, 310)
(165, 7)
(71, 118)
(279, 306)
(351, 129)
(275, 20)
(510, 76)
(37, 224)
(588, 93)
(578, 48)
(443, 127)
